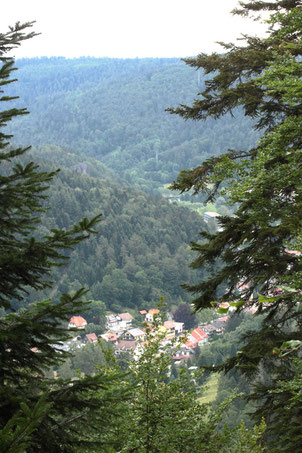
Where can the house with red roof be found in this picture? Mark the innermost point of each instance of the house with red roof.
(110, 337)
(126, 319)
(151, 313)
(196, 338)
(77, 322)
(91, 338)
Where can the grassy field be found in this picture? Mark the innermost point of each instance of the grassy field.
(211, 389)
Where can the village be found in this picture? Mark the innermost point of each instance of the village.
(124, 335)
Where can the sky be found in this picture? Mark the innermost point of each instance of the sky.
(126, 28)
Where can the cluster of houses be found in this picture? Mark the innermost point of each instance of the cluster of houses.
(124, 336)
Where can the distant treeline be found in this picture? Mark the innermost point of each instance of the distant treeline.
(114, 110)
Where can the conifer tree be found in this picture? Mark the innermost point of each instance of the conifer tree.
(165, 415)
(38, 413)
(263, 184)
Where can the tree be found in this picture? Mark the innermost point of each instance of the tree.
(38, 413)
(263, 185)
(184, 314)
(164, 414)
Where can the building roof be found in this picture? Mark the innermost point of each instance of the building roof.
(195, 337)
(113, 318)
(209, 328)
(199, 334)
(153, 311)
(136, 332)
(223, 319)
(109, 336)
(126, 316)
(78, 321)
(125, 345)
(143, 312)
(212, 214)
(169, 324)
(92, 338)
(181, 357)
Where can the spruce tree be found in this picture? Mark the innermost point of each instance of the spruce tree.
(39, 413)
(262, 77)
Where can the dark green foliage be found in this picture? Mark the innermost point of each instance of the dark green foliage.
(114, 110)
(184, 314)
(264, 184)
(38, 413)
(216, 352)
(165, 415)
(141, 251)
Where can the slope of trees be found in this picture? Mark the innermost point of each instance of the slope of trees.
(264, 184)
(114, 110)
(38, 413)
(141, 250)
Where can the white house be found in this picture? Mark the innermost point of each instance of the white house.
(118, 323)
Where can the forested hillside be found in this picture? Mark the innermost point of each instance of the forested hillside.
(142, 250)
(114, 110)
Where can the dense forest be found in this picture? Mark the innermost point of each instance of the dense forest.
(141, 251)
(103, 122)
(114, 110)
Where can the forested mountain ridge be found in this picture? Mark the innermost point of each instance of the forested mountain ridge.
(142, 250)
(114, 110)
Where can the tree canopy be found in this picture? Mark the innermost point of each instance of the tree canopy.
(257, 245)
(38, 412)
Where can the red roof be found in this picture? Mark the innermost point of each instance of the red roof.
(199, 334)
(78, 321)
(181, 357)
(109, 336)
(169, 324)
(125, 316)
(195, 337)
(92, 338)
(153, 311)
(143, 312)
(223, 319)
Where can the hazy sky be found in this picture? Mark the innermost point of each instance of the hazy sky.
(126, 28)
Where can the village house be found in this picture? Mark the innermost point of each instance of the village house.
(77, 322)
(151, 313)
(219, 324)
(91, 338)
(210, 215)
(174, 328)
(135, 334)
(109, 337)
(118, 323)
(182, 354)
(196, 338)
(209, 329)
(126, 346)
(126, 319)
